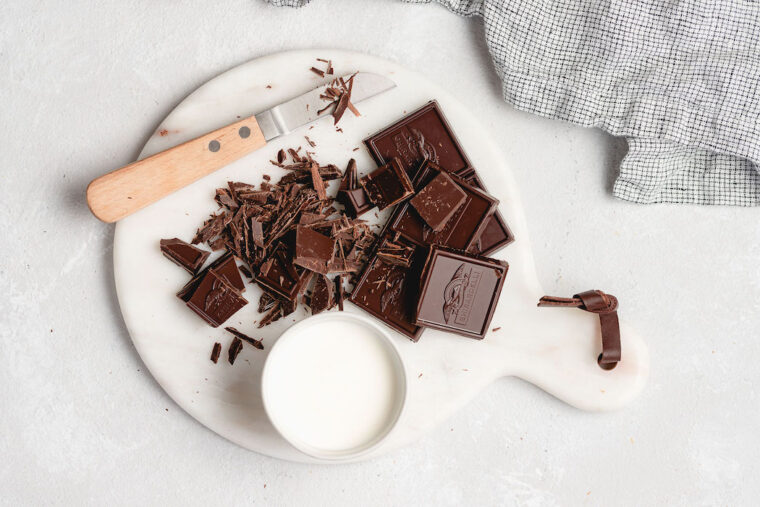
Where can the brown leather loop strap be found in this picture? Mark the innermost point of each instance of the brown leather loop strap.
(605, 305)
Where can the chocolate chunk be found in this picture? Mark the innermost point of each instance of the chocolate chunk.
(387, 185)
(184, 254)
(251, 341)
(350, 193)
(214, 299)
(322, 297)
(317, 182)
(272, 315)
(275, 275)
(390, 293)
(313, 250)
(257, 233)
(459, 292)
(215, 352)
(341, 293)
(422, 135)
(266, 302)
(235, 347)
(395, 253)
(462, 229)
(438, 201)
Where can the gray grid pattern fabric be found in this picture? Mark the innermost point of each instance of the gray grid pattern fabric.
(680, 80)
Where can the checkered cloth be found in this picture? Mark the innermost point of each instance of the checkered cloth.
(679, 80)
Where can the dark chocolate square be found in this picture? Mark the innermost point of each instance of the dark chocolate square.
(459, 292)
(437, 202)
(422, 134)
(184, 254)
(215, 300)
(225, 267)
(387, 185)
(462, 229)
(389, 292)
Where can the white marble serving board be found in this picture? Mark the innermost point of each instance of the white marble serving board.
(555, 349)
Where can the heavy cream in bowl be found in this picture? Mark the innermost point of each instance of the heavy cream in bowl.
(334, 385)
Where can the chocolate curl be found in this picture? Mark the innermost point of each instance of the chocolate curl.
(605, 305)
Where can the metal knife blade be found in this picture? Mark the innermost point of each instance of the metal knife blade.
(299, 111)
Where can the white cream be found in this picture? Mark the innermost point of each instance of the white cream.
(334, 385)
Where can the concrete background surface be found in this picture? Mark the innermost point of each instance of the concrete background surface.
(82, 86)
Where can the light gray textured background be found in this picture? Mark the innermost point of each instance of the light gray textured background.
(82, 86)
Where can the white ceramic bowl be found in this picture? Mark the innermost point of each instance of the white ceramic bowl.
(334, 385)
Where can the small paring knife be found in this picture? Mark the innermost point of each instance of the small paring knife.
(122, 192)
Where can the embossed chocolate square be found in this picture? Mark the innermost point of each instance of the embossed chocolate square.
(422, 134)
(388, 291)
(459, 292)
(461, 230)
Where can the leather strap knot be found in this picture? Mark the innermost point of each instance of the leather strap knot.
(605, 305)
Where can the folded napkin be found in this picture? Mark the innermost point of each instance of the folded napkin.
(680, 80)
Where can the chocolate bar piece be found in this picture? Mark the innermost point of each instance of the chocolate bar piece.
(459, 292)
(225, 267)
(279, 276)
(462, 229)
(184, 254)
(350, 193)
(438, 201)
(422, 135)
(387, 185)
(214, 299)
(395, 253)
(389, 292)
(314, 251)
(323, 295)
(496, 234)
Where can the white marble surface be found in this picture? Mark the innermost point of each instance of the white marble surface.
(82, 86)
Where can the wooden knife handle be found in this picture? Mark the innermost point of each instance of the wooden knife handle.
(126, 190)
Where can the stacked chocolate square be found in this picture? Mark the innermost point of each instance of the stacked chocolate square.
(430, 268)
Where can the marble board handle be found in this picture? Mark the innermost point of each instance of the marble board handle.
(556, 350)
(122, 192)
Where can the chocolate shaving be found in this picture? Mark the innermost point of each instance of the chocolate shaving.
(317, 72)
(251, 341)
(235, 347)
